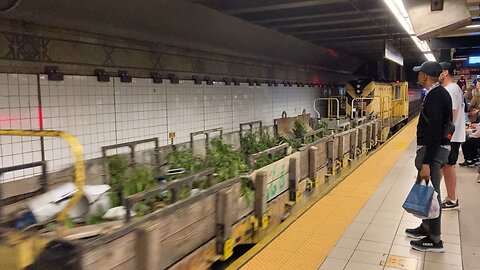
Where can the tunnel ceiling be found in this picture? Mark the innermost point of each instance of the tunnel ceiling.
(184, 24)
(355, 27)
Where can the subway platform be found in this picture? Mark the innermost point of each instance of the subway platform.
(360, 225)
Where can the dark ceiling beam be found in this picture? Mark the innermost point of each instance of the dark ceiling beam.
(463, 32)
(275, 7)
(324, 23)
(356, 37)
(368, 27)
(318, 16)
(373, 21)
(455, 42)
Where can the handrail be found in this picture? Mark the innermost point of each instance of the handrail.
(360, 99)
(338, 107)
(77, 151)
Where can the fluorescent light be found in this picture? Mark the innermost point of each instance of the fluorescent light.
(399, 11)
(473, 26)
(430, 57)
(401, 7)
(421, 44)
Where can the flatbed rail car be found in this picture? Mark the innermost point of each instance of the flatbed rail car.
(195, 232)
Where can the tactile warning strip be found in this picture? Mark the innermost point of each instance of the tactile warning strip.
(307, 241)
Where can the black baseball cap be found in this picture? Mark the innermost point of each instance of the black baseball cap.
(431, 68)
(447, 66)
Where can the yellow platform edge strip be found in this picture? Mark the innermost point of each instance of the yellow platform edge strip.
(399, 142)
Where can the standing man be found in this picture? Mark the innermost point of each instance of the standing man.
(432, 150)
(458, 113)
(462, 83)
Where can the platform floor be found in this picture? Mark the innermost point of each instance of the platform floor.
(360, 224)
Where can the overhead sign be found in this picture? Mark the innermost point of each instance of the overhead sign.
(392, 54)
(474, 60)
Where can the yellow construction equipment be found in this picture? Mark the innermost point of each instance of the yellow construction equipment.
(18, 249)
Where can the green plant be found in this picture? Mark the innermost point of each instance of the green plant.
(246, 191)
(139, 179)
(254, 142)
(295, 143)
(299, 129)
(322, 125)
(227, 161)
(118, 166)
(95, 218)
(69, 223)
(186, 160)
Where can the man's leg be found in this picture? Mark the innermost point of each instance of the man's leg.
(432, 242)
(422, 230)
(434, 225)
(450, 181)
(450, 175)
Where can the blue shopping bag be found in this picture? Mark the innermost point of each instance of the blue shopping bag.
(419, 199)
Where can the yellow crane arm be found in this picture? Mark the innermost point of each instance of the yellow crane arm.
(77, 151)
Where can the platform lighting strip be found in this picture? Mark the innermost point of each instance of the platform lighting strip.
(399, 11)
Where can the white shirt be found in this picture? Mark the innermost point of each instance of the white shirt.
(457, 104)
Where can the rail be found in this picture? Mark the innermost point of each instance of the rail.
(252, 159)
(361, 99)
(174, 187)
(328, 99)
(42, 181)
(79, 164)
(207, 135)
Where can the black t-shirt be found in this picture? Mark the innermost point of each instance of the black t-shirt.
(437, 107)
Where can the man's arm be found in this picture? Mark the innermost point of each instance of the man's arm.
(434, 131)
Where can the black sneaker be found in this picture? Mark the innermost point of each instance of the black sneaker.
(427, 244)
(467, 163)
(417, 233)
(447, 204)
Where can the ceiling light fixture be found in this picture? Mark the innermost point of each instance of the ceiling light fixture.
(400, 12)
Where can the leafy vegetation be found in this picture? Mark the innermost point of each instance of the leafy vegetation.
(247, 191)
(299, 129)
(254, 142)
(228, 162)
(126, 181)
(186, 160)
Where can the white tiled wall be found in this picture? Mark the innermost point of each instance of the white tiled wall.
(19, 110)
(140, 111)
(243, 104)
(81, 106)
(105, 113)
(218, 106)
(185, 109)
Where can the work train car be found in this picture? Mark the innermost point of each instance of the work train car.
(388, 102)
(196, 218)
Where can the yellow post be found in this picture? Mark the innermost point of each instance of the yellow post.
(77, 151)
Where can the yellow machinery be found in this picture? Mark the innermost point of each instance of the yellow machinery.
(18, 249)
(387, 101)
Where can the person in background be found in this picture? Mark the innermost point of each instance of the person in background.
(474, 116)
(475, 101)
(468, 94)
(471, 145)
(477, 79)
(432, 150)
(458, 113)
(462, 83)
